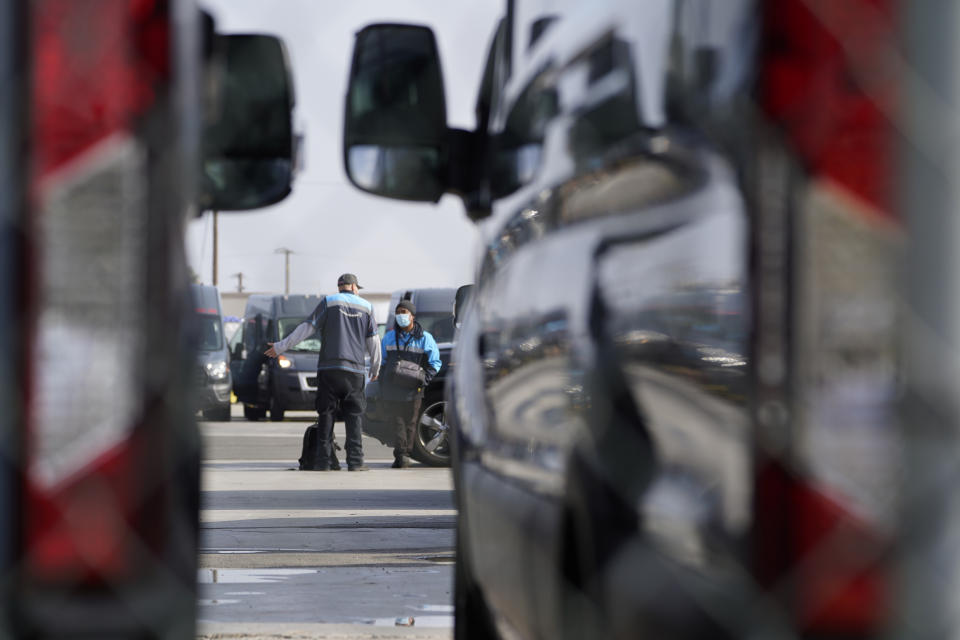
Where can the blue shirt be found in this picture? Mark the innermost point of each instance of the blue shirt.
(425, 344)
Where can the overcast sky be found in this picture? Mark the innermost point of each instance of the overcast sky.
(332, 227)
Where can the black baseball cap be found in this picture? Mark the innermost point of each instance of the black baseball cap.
(408, 305)
(348, 278)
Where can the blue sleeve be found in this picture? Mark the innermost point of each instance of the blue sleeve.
(383, 346)
(433, 352)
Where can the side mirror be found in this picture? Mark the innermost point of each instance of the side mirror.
(395, 117)
(460, 302)
(248, 141)
(237, 352)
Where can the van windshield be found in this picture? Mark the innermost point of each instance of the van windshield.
(210, 332)
(286, 327)
(438, 324)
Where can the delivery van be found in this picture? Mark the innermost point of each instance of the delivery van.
(285, 383)
(213, 382)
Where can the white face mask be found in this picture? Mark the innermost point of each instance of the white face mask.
(404, 319)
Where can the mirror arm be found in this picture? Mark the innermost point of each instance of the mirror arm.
(463, 175)
(466, 174)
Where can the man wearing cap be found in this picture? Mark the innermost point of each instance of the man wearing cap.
(347, 330)
(411, 360)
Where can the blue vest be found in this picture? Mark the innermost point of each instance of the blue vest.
(344, 322)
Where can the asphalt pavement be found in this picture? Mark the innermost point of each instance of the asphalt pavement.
(297, 554)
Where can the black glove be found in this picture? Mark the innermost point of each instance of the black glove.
(428, 374)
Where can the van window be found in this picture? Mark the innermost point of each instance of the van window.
(287, 325)
(490, 84)
(438, 324)
(519, 148)
(233, 339)
(211, 332)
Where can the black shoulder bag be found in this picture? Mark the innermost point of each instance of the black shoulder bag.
(405, 374)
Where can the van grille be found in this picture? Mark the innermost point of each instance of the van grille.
(200, 376)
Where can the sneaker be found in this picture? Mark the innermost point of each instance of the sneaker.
(402, 463)
(334, 464)
(359, 467)
(397, 464)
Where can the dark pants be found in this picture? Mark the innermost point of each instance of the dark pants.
(403, 415)
(345, 387)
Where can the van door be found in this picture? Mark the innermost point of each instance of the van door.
(250, 367)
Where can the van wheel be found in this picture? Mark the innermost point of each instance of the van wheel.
(431, 442)
(276, 410)
(253, 413)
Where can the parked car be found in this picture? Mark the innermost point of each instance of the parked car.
(431, 446)
(213, 382)
(676, 385)
(285, 383)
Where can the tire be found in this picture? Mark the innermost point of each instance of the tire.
(431, 441)
(472, 619)
(276, 409)
(253, 413)
(220, 414)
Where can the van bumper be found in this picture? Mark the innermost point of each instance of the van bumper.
(214, 395)
(296, 390)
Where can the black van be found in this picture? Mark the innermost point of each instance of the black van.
(212, 377)
(286, 383)
(680, 380)
(431, 445)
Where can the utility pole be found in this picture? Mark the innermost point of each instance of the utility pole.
(286, 256)
(239, 277)
(215, 248)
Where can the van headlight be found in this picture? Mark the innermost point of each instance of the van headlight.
(284, 362)
(217, 370)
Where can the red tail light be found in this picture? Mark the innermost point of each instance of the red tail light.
(823, 515)
(841, 586)
(96, 73)
(81, 532)
(97, 67)
(827, 81)
(822, 562)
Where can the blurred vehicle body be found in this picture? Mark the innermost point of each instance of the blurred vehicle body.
(431, 445)
(676, 384)
(101, 122)
(213, 380)
(286, 383)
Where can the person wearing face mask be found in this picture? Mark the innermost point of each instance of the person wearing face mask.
(410, 359)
